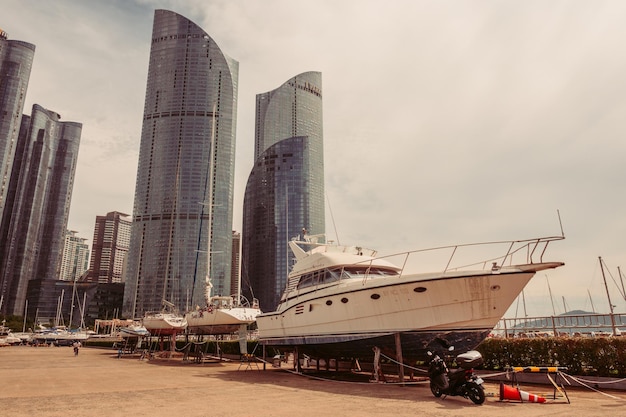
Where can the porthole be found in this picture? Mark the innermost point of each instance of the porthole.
(375, 296)
(495, 288)
(419, 289)
(344, 300)
(329, 302)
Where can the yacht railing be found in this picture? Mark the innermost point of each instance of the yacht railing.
(571, 325)
(527, 251)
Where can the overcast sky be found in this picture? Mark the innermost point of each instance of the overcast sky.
(444, 121)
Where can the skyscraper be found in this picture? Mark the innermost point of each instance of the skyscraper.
(111, 238)
(285, 189)
(75, 260)
(16, 60)
(182, 216)
(39, 193)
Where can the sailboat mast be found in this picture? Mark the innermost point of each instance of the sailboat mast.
(209, 203)
(72, 306)
(82, 311)
(25, 314)
(608, 296)
(593, 308)
(621, 278)
(551, 299)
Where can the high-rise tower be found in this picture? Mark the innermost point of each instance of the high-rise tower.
(16, 61)
(182, 216)
(111, 238)
(40, 192)
(285, 190)
(75, 259)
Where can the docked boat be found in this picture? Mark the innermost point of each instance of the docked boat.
(59, 334)
(133, 330)
(7, 338)
(222, 316)
(343, 301)
(164, 322)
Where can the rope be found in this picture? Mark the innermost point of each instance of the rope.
(599, 382)
(318, 378)
(403, 364)
(596, 390)
(189, 343)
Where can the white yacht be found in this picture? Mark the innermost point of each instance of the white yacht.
(343, 301)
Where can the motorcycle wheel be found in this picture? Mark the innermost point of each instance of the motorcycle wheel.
(435, 390)
(475, 392)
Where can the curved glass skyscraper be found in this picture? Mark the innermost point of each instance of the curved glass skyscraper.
(39, 193)
(285, 190)
(16, 61)
(182, 216)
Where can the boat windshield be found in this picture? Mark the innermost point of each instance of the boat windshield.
(331, 275)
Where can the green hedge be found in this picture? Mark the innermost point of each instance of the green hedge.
(582, 356)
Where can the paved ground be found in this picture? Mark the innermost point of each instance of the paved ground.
(52, 382)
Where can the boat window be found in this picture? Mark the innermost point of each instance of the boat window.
(331, 275)
(318, 277)
(365, 271)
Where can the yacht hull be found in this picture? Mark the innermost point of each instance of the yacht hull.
(164, 324)
(350, 318)
(220, 321)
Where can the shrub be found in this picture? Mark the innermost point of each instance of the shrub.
(582, 356)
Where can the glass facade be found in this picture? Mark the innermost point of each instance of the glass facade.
(111, 238)
(182, 216)
(16, 60)
(75, 261)
(285, 189)
(40, 191)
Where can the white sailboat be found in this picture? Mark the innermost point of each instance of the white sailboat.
(164, 322)
(222, 314)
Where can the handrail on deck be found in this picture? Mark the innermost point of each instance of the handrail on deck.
(530, 244)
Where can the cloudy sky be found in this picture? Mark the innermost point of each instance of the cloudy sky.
(444, 122)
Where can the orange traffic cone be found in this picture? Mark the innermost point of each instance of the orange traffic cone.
(510, 393)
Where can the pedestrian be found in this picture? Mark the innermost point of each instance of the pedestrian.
(77, 345)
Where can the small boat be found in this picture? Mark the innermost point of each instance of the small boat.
(164, 323)
(6, 337)
(344, 301)
(222, 316)
(59, 334)
(135, 330)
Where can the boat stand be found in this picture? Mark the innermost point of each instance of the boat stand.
(249, 361)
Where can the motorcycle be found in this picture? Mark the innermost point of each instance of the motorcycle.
(461, 381)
